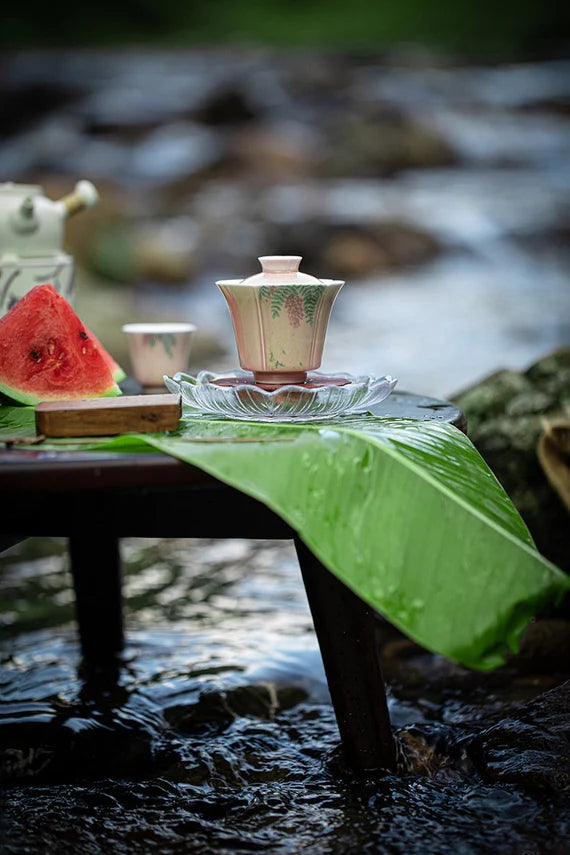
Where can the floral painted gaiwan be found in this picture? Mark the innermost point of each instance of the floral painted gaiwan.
(280, 318)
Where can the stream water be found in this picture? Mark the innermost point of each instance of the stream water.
(216, 733)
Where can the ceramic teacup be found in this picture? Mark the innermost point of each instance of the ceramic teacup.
(156, 349)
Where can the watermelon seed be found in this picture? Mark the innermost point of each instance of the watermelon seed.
(83, 335)
(35, 356)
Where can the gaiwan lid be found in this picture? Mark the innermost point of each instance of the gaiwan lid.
(281, 270)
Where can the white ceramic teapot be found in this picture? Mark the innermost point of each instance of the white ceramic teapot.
(31, 239)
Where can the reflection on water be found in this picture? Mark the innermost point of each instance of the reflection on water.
(217, 734)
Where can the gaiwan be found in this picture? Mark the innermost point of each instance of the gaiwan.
(280, 318)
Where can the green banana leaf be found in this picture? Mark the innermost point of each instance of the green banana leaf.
(406, 513)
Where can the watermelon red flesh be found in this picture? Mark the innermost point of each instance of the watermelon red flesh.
(47, 354)
(114, 367)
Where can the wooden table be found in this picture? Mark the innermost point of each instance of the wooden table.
(96, 498)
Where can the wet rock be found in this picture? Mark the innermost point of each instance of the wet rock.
(530, 402)
(226, 106)
(552, 374)
(216, 710)
(381, 144)
(20, 761)
(46, 743)
(354, 253)
(358, 251)
(531, 746)
(352, 250)
(490, 397)
(505, 417)
(274, 151)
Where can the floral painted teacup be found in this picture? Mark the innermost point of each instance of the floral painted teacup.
(156, 349)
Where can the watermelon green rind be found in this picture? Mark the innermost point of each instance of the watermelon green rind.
(31, 400)
(47, 353)
(117, 373)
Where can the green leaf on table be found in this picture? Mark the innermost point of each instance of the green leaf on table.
(17, 422)
(405, 512)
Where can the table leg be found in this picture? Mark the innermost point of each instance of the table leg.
(345, 629)
(96, 572)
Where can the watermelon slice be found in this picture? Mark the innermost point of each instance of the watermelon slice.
(47, 353)
(114, 367)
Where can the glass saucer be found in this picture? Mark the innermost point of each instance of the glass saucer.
(236, 396)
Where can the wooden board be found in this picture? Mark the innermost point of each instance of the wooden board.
(108, 416)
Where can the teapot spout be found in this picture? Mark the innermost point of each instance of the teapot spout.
(84, 195)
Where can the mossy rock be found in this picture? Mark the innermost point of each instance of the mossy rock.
(506, 414)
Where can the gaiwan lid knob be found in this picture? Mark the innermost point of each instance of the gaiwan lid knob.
(281, 270)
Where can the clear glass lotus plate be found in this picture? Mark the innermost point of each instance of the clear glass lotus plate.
(235, 395)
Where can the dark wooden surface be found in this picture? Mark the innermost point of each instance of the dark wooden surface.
(95, 498)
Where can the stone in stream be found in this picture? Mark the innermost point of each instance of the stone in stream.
(383, 142)
(530, 747)
(507, 414)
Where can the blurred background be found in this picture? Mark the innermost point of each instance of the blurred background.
(420, 151)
